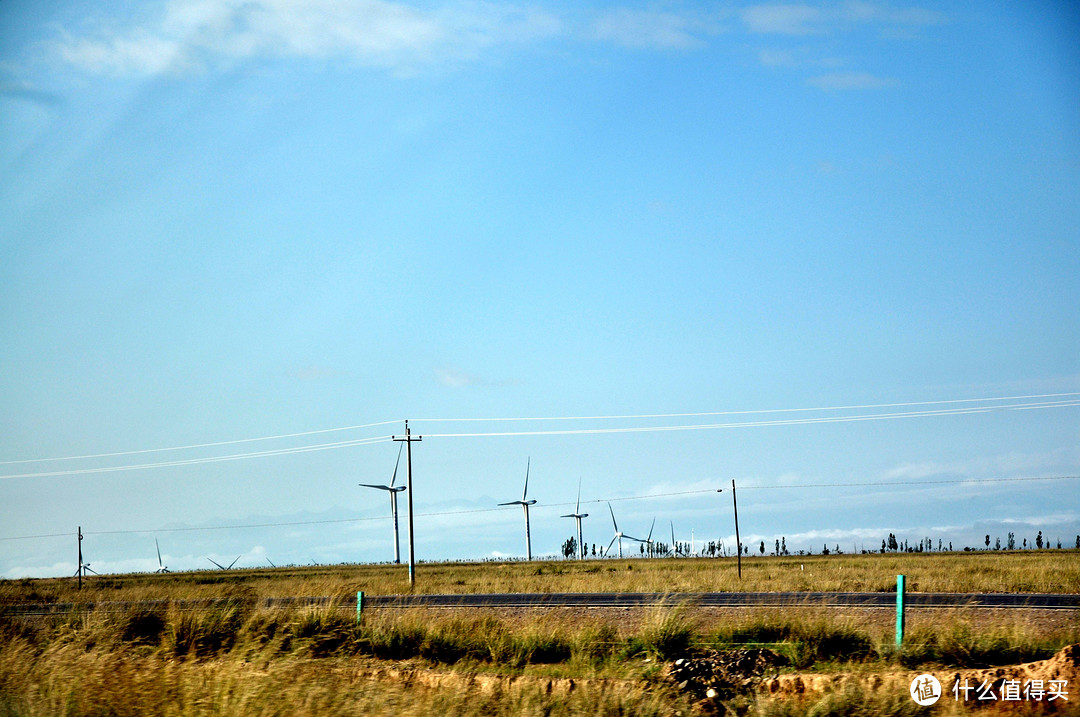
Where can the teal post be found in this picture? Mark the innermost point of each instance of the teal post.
(359, 604)
(899, 610)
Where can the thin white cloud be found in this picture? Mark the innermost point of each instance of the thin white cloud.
(454, 378)
(191, 35)
(653, 29)
(784, 19)
(843, 81)
(804, 19)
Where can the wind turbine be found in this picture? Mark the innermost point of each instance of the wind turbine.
(161, 567)
(222, 566)
(393, 491)
(619, 535)
(578, 515)
(85, 567)
(649, 541)
(524, 503)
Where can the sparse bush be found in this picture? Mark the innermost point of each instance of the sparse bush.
(143, 625)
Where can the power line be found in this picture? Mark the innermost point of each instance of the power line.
(470, 511)
(748, 412)
(197, 461)
(552, 418)
(755, 424)
(200, 445)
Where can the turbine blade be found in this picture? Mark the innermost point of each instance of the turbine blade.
(233, 562)
(608, 549)
(649, 539)
(88, 569)
(394, 478)
(373, 485)
(158, 552)
(672, 535)
(271, 563)
(577, 505)
(526, 491)
(613, 517)
(216, 563)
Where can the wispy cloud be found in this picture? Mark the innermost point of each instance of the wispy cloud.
(784, 19)
(804, 19)
(192, 35)
(654, 29)
(844, 81)
(455, 378)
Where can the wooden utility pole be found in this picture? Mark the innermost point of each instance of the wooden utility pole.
(408, 439)
(738, 543)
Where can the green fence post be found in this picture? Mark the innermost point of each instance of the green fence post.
(359, 604)
(899, 610)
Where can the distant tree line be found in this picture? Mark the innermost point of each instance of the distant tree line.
(890, 544)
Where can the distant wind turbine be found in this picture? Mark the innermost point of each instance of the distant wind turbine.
(85, 567)
(393, 491)
(525, 503)
(619, 535)
(222, 566)
(578, 515)
(161, 566)
(648, 542)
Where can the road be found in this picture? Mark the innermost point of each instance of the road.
(602, 600)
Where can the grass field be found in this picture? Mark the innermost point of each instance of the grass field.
(241, 659)
(1049, 571)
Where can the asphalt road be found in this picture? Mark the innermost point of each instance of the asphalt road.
(603, 600)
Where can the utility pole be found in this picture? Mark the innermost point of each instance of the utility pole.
(738, 543)
(408, 439)
(79, 571)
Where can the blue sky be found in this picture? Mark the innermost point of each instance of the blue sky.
(225, 220)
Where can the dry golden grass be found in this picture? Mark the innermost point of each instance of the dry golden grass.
(1050, 571)
(242, 659)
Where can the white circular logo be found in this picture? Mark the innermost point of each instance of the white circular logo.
(926, 690)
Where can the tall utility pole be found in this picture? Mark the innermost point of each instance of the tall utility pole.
(738, 543)
(408, 439)
(79, 571)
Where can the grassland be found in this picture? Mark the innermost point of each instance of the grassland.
(242, 659)
(1050, 571)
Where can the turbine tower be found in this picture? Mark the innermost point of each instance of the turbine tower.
(160, 566)
(525, 503)
(393, 491)
(578, 515)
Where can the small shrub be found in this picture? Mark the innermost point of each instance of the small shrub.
(143, 625)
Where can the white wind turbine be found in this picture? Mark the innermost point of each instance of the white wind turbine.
(393, 491)
(648, 542)
(578, 515)
(525, 503)
(619, 535)
(161, 567)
